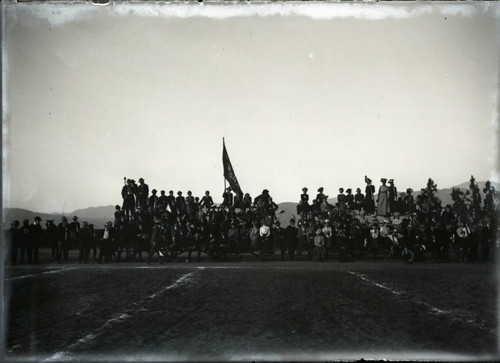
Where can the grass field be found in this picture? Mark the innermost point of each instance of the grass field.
(252, 310)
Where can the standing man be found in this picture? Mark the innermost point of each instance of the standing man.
(359, 200)
(190, 205)
(207, 201)
(247, 201)
(128, 192)
(107, 240)
(85, 237)
(25, 241)
(36, 237)
(227, 198)
(180, 204)
(153, 199)
(292, 239)
(142, 195)
(74, 229)
(409, 202)
(349, 198)
(341, 200)
(52, 237)
(63, 233)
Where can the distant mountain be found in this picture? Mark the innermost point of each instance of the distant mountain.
(98, 219)
(106, 212)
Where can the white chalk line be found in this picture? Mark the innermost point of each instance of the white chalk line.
(43, 273)
(455, 315)
(119, 318)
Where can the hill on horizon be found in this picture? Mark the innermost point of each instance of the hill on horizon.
(100, 215)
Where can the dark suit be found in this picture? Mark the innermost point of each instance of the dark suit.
(35, 239)
(25, 242)
(107, 245)
(207, 201)
(63, 238)
(142, 196)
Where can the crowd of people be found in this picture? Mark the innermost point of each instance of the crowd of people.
(352, 226)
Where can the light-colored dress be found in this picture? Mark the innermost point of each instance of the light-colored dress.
(383, 201)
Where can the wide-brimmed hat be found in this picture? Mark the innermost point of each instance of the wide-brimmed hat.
(320, 189)
(305, 189)
(383, 180)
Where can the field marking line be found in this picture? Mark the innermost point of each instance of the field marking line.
(455, 315)
(118, 318)
(362, 277)
(62, 269)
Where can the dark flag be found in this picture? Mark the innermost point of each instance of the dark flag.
(229, 172)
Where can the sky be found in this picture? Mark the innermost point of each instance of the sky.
(314, 95)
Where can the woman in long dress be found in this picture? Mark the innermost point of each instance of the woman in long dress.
(319, 246)
(369, 191)
(383, 199)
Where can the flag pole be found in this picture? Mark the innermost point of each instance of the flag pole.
(223, 145)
